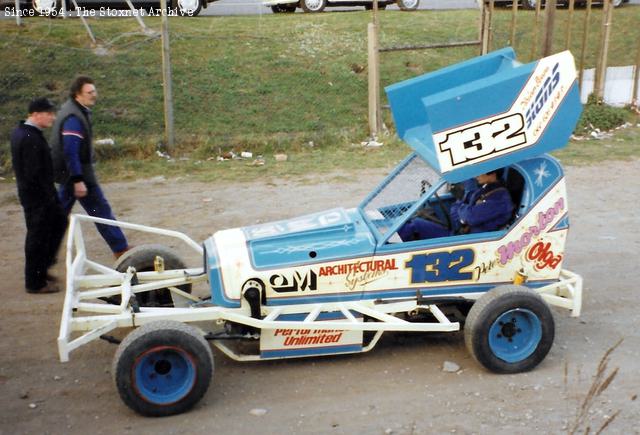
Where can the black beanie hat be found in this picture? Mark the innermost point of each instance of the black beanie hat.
(41, 105)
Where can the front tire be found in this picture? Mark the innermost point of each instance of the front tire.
(189, 8)
(163, 368)
(313, 6)
(510, 329)
(408, 5)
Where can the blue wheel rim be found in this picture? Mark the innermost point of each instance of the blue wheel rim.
(515, 335)
(164, 375)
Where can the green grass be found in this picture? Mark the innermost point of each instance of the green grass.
(262, 84)
(623, 145)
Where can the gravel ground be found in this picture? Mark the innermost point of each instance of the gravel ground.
(407, 385)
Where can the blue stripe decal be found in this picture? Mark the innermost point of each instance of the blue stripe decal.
(331, 350)
(562, 224)
(399, 293)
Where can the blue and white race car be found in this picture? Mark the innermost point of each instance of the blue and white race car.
(333, 282)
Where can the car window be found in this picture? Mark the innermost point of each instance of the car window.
(390, 203)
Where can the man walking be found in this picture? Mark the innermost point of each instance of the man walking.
(72, 148)
(46, 220)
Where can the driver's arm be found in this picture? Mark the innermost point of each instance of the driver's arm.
(495, 207)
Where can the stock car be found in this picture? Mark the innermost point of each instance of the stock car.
(332, 282)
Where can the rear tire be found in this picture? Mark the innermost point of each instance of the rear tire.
(142, 258)
(510, 329)
(163, 368)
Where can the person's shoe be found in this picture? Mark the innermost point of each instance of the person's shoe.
(48, 288)
(121, 253)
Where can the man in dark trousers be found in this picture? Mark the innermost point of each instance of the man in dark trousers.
(72, 150)
(485, 206)
(46, 220)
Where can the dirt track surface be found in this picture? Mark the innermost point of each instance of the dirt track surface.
(399, 387)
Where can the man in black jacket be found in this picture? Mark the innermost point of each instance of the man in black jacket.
(46, 220)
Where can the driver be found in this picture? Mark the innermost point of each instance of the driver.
(485, 206)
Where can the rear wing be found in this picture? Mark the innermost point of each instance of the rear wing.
(487, 112)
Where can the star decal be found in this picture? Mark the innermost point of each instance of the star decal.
(541, 173)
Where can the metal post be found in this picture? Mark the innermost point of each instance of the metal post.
(534, 40)
(169, 136)
(18, 18)
(601, 69)
(585, 34)
(549, 24)
(514, 13)
(567, 38)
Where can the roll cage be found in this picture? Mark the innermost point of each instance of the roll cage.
(384, 220)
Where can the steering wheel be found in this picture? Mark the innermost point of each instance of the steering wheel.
(424, 186)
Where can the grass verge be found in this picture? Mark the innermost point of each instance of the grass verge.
(261, 84)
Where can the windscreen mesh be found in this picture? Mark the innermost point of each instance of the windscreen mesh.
(395, 196)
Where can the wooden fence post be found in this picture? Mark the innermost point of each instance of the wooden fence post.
(169, 134)
(534, 40)
(514, 13)
(549, 24)
(485, 19)
(583, 51)
(635, 98)
(567, 37)
(374, 80)
(603, 52)
(490, 39)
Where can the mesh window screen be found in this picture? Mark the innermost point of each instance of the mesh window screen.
(398, 193)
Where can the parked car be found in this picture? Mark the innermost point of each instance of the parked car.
(288, 6)
(182, 7)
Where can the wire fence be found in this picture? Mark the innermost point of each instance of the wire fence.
(276, 81)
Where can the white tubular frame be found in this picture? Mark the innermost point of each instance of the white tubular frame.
(566, 293)
(85, 313)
